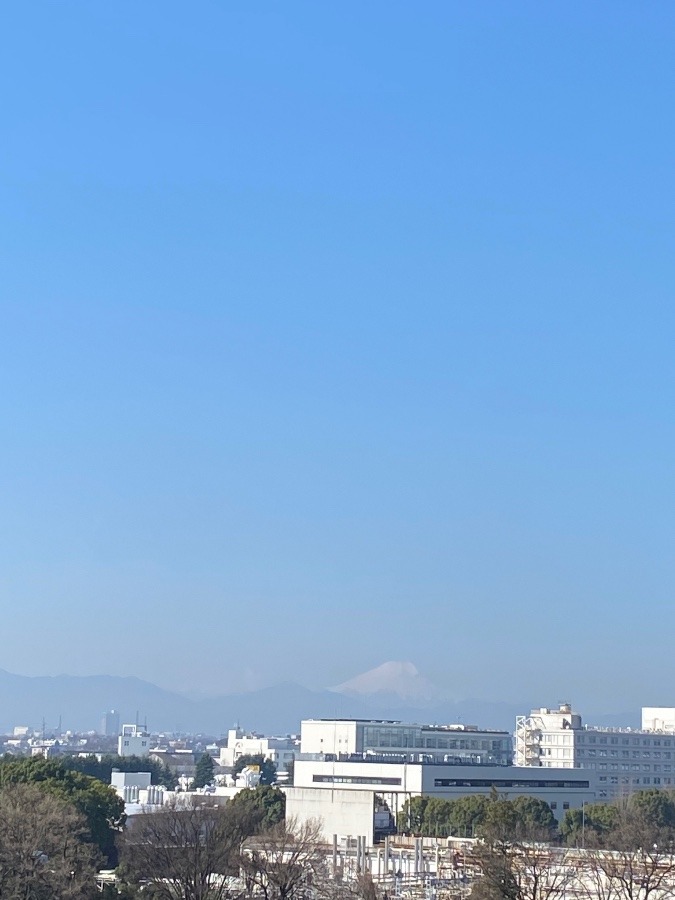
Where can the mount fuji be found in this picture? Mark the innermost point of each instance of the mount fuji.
(393, 683)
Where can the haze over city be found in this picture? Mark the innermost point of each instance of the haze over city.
(337, 334)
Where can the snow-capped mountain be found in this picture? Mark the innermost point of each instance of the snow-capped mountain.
(395, 681)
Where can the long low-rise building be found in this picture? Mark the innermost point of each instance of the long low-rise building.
(455, 742)
(365, 797)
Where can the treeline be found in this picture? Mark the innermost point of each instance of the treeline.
(616, 851)
(467, 816)
(102, 768)
(598, 824)
(645, 816)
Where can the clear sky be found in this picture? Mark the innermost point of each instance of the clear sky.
(338, 332)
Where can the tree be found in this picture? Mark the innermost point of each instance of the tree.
(43, 851)
(286, 861)
(268, 771)
(467, 815)
(99, 804)
(535, 816)
(437, 817)
(412, 817)
(515, 857)
(187, 850)
(203, 771)
(589, 824)
(633, 860)
(264, 806)
(655, 807)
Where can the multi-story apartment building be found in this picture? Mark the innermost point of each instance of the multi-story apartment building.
(342, 738)
(625, 759)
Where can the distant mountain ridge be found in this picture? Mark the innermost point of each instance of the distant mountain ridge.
(80, 701)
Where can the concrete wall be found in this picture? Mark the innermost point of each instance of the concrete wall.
(340, 812)
(318, 736)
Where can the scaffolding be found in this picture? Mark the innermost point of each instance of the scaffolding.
(528, 741)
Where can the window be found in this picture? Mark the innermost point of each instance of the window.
(353, 779)
(566, 805)
(507, 783)
(553, 805)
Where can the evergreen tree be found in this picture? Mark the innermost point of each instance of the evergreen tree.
(203, 771)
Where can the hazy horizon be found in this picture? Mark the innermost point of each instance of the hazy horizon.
(339, 334)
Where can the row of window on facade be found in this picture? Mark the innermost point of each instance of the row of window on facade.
(567, 740)
(614, 779)
(625, 767)
(626, 754)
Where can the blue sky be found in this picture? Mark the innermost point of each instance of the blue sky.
(338, 333)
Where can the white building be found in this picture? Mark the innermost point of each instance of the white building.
(280, 750)
(624, 759)
(658, 718)
(441, 743)
(351, 797)
(133, 741)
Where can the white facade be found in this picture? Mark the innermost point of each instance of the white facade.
(441, 743)
(324, 789)
(133, 741)
(280, 750)
(624, 759)
(658, 718)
